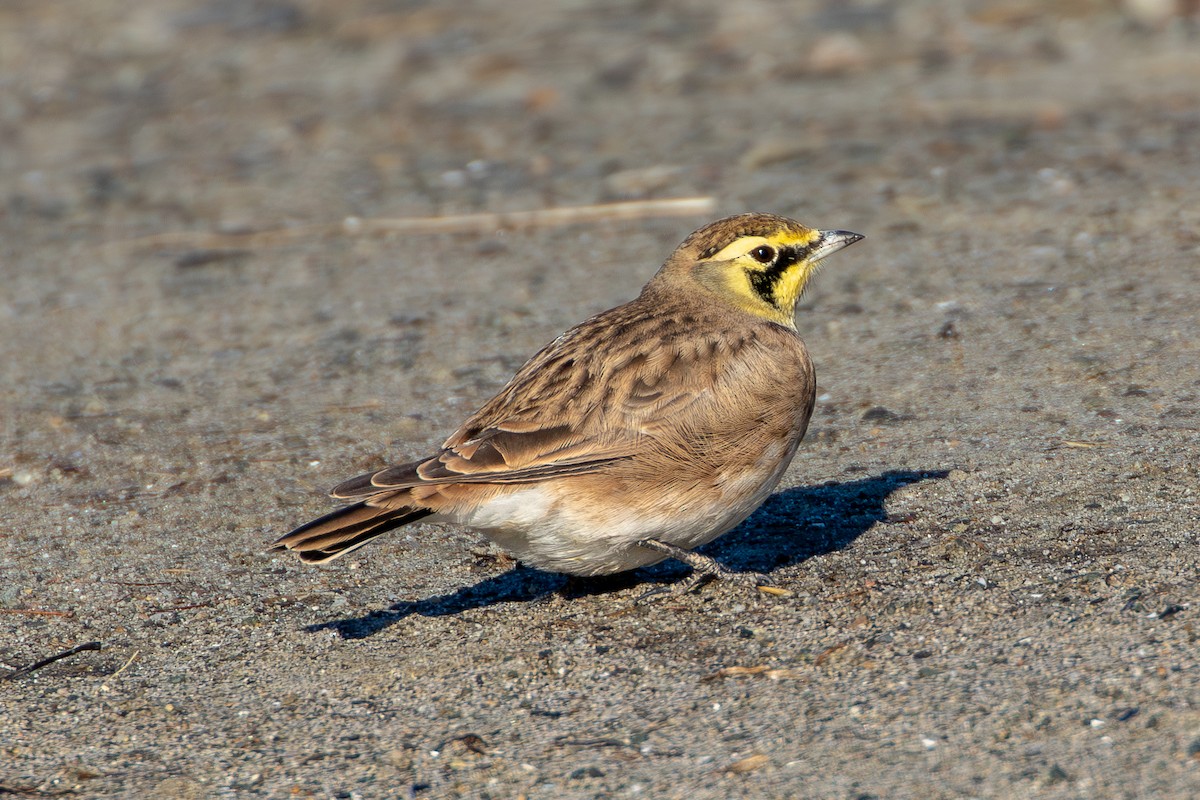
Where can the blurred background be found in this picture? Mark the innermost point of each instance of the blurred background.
(235, 115)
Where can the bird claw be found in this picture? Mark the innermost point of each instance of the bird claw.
(698, 578)
(756, 580)
(704, 569)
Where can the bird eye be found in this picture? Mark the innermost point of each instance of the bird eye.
(763, 254)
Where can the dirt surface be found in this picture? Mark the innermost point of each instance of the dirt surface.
(991, 530)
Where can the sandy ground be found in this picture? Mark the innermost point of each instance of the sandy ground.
(991, 530)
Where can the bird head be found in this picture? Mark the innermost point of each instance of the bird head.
(759, 263)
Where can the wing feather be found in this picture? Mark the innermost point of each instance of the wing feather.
(587, 400)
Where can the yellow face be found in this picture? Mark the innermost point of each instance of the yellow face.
(765, 275)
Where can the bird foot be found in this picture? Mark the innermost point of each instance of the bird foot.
(705, 569)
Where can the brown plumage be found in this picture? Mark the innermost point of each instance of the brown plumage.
(646, 431)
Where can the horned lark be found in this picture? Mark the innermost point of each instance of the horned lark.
(646, 431)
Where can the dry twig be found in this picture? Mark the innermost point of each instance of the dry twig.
(455, 223)
(36, 612)
(45, 662)
(125, 666)
(771, 673)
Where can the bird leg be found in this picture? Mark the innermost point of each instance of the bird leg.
(703, 567)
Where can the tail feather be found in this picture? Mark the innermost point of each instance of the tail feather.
(344, 530)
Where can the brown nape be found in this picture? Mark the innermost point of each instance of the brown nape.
(346, 529)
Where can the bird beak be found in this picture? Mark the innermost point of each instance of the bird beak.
(832, 241)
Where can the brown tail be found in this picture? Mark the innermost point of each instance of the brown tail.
(346, 529)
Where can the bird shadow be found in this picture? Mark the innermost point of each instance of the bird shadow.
(792, 526)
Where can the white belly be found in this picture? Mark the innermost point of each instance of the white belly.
(538, 527)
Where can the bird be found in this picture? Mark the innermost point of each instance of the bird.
(639, 435)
